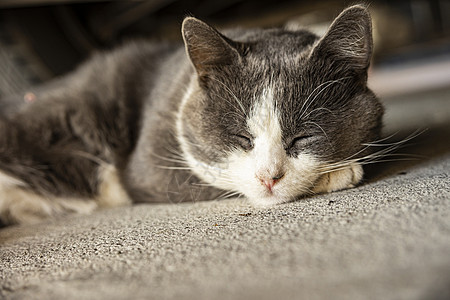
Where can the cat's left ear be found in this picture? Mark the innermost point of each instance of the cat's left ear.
(349, 39)
(206, 47)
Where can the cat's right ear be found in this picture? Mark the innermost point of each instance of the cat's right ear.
(348, 41)
(206, 47)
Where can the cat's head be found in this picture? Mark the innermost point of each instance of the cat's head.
(267, 110)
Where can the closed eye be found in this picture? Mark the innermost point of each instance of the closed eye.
(246, 142)
(299, 140)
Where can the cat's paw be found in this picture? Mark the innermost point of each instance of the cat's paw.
(339, 180)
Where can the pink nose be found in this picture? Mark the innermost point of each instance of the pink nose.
(270, 182)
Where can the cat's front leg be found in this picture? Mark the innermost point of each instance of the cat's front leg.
(340, 179)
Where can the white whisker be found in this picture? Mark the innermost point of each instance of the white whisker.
(174, 160)
(228, 195)
(173, 168)
(304, 108)
(239, 102)
(320, 127)
(375, 157)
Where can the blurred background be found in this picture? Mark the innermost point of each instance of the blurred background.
(40, 39)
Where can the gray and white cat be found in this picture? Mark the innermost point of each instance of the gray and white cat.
(271, 114)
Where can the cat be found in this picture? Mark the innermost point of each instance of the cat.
(271, 114)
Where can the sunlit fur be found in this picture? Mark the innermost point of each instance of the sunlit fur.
(20, 205)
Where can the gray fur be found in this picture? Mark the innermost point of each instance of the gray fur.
(120, 108)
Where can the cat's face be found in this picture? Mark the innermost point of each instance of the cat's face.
(269, 112)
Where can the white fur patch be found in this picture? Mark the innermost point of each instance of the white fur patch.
(21, 206)
(18, 205)
(110, 190)
(264, 125)
(268, 159)
(6, 181)
(340, 179)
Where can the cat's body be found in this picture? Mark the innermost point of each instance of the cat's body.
(271, 114)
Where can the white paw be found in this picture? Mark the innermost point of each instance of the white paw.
(339, 180)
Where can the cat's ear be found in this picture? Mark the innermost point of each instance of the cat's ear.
(349, 39)
(206, 47)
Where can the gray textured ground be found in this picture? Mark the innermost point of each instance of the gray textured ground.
(387, 239)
